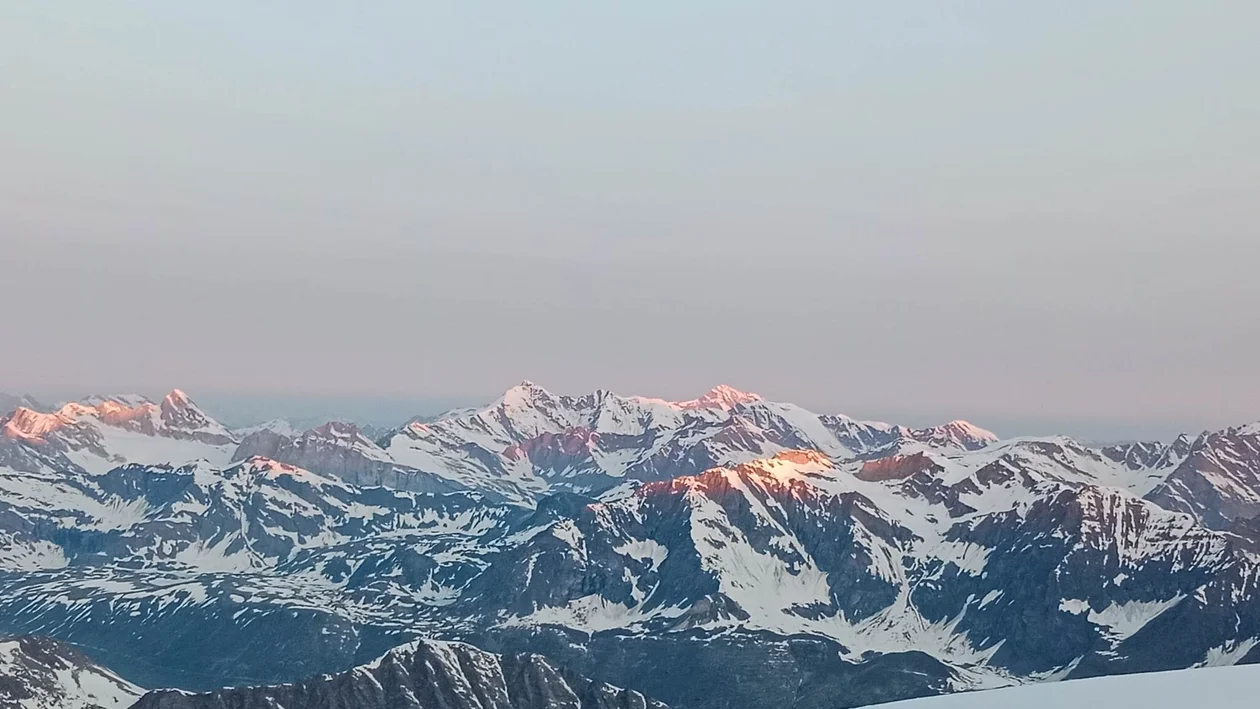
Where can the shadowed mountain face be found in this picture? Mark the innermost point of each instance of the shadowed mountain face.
(424, 674)
(652, 545)
(41, 673)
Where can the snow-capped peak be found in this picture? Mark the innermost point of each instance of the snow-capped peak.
(719, 397)
(30, 425)
(968, 431)
(181, 416)
(344, 435)
(960, 433)
(177, 417)
(526, 393)
(178, 398)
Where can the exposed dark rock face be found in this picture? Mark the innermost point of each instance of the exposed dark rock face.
(1142, 455)
(41, 673)
(1061, 578)
(424, 675)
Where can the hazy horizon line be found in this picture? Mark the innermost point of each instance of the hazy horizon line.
(240, 409)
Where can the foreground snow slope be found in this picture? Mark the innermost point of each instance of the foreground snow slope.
(1214, 688)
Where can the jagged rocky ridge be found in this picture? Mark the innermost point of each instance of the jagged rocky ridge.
(875, 563)
(424, 674)
(527, 444)
(41, 673)
(531, 442)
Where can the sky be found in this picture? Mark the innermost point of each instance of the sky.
(1030, 215)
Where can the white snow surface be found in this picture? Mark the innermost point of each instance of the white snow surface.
(1213, 688)
(134, 447)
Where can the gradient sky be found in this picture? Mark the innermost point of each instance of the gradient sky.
(996, 210)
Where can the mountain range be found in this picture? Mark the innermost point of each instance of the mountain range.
(726, 551)
(41, 673)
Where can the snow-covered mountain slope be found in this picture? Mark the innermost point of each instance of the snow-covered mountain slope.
(39, 673)
(253, 514)
(1218, 481)
(425, 674)
(104, 432)
(1218, 688)
(795, 545)
(184, 561)
(923, 572)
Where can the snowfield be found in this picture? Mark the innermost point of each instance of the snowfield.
(1214, 688)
